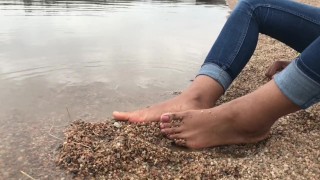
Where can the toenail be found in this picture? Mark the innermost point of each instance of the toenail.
(165, 118)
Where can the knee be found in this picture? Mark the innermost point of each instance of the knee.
(250, 5)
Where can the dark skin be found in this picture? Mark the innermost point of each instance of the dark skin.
(247, 119)
(193, 117)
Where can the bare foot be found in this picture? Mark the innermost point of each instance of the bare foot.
(247, 119)
(202, 94)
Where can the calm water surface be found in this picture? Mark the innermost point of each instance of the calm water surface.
(90, 57)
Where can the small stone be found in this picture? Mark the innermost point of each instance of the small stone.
(58, 147)
(176, 92)
(68, 160)
(20, 158)
(118, 145)
(117, 125)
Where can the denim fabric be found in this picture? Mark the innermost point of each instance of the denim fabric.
(297, 86)
(214, 71)
(295, 24)
(309, 60)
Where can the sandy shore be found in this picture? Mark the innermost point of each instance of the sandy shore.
(129, 151)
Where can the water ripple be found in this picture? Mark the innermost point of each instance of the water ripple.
(87, 8)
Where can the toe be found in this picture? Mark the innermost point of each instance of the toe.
(180, 142)
(121, 116)
(165, 118)
(170, 131)
(165, 125)
(128, 116)
(176, 136)
(168, 117)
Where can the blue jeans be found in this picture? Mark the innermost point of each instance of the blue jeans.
(292, 23)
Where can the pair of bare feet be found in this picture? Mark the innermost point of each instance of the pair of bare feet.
(191, 117)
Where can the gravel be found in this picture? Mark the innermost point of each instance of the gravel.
(122, 150)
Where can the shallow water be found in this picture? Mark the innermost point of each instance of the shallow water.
(65, 60)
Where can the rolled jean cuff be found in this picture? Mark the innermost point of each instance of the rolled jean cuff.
(297, 86)
(217, 73)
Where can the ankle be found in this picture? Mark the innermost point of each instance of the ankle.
(245, 121)
(205, 90)
(199, 98)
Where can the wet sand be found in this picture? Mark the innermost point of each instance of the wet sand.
(128, 151)
(91, 57)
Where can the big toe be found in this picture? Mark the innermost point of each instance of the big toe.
(128, 116)
(168, 117)
(165, 118)
(122, 116)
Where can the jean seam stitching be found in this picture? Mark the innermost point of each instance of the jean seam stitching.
(304, 75)
(220, 69)
(305, 66)
(268, 6)
(232, 58)
(288, 11)
(220, 74)
(307, 101)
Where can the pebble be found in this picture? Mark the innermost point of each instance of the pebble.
(140, 149)
(117, 125)
(291, 145)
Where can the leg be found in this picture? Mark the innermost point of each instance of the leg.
(249, 118)
(226, 59)
(292, 23)
(202, 94)
(300, 81)
(244, 120)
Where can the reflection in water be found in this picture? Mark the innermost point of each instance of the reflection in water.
(104, 2)
(27, 2)
(91, 57)
(216, 2)
(53, 7)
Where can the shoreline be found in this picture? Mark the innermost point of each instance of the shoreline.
(141, 152)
